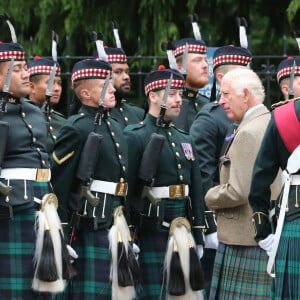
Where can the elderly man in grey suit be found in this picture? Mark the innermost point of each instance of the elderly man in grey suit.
(240, 264)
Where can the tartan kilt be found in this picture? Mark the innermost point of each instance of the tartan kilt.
(93, 266)
(40, 189)
(286, 284)
(240, 272)
(17, 246)
(153, 245)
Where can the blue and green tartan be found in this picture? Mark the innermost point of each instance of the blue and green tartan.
(93, 266)
(153, 245)
(40, 189)
(286, 284)
(16, 257)
(240, 272)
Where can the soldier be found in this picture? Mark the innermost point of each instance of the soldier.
(208, 132)
(25, 167)
(284, 71)
(39, 71)
(125, 113)
(109, 178)
(176, 184)
(196, 76)
(238, 254)
(278, 150)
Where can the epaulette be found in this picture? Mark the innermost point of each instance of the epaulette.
(180, 130)
(273, 106)
(210, 106)
(135, 126)
(75, 118)
(58, 113)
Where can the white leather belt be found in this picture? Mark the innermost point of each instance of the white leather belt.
(40, 175)
(112, 188)
(295, 180)
(172, 191)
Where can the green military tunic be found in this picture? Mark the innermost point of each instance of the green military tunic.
(273, 155)
(175, 167)
(195, 104)
(92, 246)
(126, 113)
(55, 121)
(25, 148)
(208, 133)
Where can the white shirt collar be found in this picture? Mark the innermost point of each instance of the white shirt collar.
(250, 110)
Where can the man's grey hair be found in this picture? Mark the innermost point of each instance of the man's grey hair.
(246, 79)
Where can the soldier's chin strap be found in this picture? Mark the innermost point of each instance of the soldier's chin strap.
(293, 165)
(163, 107)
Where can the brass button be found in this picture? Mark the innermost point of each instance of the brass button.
(179, 166)
(122, 179)
(29, 126)
(108, 123)
(51, 128)
(34, 139)
(124, 168)
(54, 137)
(23, 115)
(173, 144)
(196, 104)
(177, 154)
(121, 109)
(82, 114)
(43, 162)
(6, 199)
(120, 156)
(38, 149)
(181, 177)
(169, 133)
(112, 133)
(49, 119)
(25, 197)
(117, 145)
(126, 119)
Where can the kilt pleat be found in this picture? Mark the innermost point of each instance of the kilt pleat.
(153, 245)
(240, 273)
(287, 263)
(93, 266)
(17, 245)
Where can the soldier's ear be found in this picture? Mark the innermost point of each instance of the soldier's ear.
(32, 86)
(285, 90)
(84, 94)
(219, 77)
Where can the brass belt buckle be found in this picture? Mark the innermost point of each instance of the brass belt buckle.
(121, 189)
(42, 175)
(177, 191)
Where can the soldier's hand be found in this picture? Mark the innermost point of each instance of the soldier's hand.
(136, 250)
(72, 253)
(200, 251)
(267, 243)
(211, 241)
